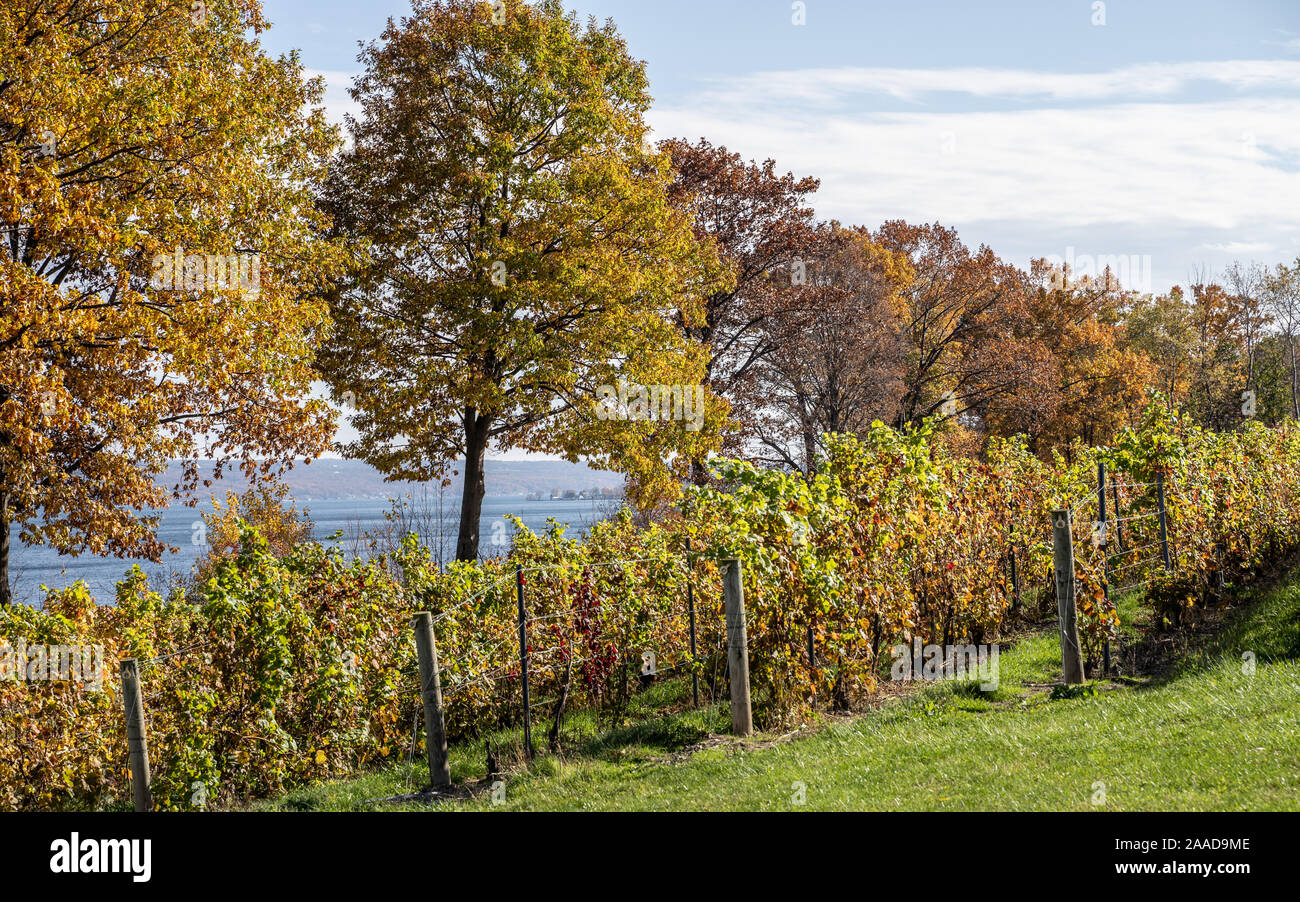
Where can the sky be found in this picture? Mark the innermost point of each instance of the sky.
(1163, 132)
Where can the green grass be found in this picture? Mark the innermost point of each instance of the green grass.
(1206, 736)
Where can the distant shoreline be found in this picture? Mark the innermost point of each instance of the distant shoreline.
(329, 479)
(33, 565)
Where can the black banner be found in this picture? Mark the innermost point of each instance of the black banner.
(297, 851)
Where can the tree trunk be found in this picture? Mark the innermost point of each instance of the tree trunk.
(699, 473)
(471, 499)
(5, 596)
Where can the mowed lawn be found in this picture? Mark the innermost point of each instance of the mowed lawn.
(1209, 736)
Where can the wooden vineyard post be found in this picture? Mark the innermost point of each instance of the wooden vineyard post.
(1015, 573)
(1105, 556)
(1164, 522)
(690, 610)
(1015, 581)
(742, 718)
(1119, 531)
(136, 742)
(435, 728)
(1067, 616)
(523, 658)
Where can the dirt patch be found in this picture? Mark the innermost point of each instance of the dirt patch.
(885, 694)
(456, 793)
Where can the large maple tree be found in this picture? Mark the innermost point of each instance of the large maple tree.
(136, 135)
(520, 250)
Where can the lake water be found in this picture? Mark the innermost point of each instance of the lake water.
(31, 566)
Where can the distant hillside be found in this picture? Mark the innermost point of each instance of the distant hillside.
(343, 479)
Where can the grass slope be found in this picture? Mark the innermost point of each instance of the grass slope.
(1206, 736)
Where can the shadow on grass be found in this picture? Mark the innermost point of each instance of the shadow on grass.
(665, 733)
(1268, 626)
(655, 719)
(1264, 621)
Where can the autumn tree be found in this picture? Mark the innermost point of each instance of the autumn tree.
(521, 252)
(160, 265)
(1283, 307)
(959, 307)
(1161, 327)
(762, 227)
(1273, 400)
(268, 508)
(1076, 376)
(836, 362)
(1220, 359)
(1224, 350)
(1248, 285)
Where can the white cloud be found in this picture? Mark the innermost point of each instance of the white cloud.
(838, 85)
(1239, 247)
(1140, 167)
(1146, 166)
(1207, 164)
(1290, 41)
